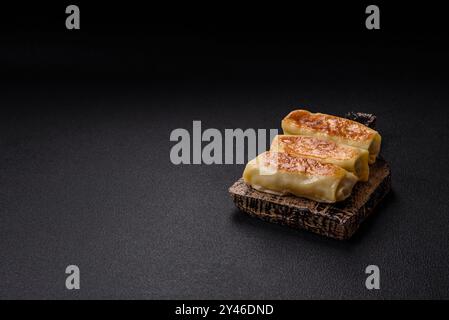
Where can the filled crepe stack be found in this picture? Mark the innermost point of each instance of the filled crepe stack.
(320, 157)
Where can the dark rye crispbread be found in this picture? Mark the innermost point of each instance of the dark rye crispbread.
(337, 220)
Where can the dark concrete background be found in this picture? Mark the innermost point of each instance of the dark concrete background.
(86, 179)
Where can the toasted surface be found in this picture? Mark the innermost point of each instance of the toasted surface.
(286, 162)
(350, 158)
(330, 125)
(316, 147)
(337, 221)
(282, 174)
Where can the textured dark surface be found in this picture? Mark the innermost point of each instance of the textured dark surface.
(86, 178)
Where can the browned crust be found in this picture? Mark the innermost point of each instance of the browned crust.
(290, 163)
(330, 125)
(320, 148)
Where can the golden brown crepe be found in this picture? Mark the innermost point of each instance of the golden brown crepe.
(282, 173)
(340, 130)
(352, 159)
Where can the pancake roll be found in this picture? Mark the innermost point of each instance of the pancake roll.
(339, 130)
(281, 173)
(352, 159)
